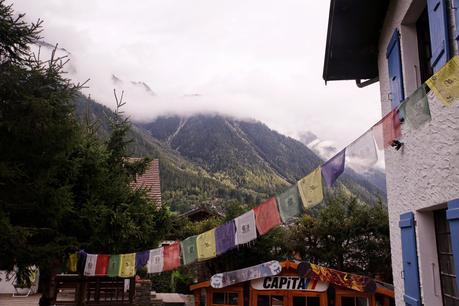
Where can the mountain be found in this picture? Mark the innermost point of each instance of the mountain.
(215, 160)
(250, 154)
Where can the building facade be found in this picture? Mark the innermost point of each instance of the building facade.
(401, 44)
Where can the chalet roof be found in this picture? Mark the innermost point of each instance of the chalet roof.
(354, 28)
(200, 214)
(150, 180)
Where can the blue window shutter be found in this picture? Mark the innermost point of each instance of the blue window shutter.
(394, 60)
(452, 214)
(412, 296)
(438, 24)
(456, 17)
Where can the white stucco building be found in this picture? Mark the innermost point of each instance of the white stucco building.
(401, 44)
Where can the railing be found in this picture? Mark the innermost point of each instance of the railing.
(76, 290)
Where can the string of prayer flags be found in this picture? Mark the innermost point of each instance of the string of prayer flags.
(141, 259)
(333, 168)
(90, 265)
(361, 154)
(171, 256)
(114, 266)
(387, 130)
(225, 236)
(445, 82)
(189, 250)
(72, 262)
(310, 189)
(127, 265)
(416, 108)
(245, 228)
(267, 216)
(102, 264)
(155, 263)
(289, 204)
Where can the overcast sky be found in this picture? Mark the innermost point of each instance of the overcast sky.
(253, 59)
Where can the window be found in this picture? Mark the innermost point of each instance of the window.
(445, 258)
(306, 301)
(270, 300)
(225, 298)
(354, 301)
(424, 46)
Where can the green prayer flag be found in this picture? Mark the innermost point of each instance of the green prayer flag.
(416, 108)
(114, 266)
(189, 250)
(290, 204)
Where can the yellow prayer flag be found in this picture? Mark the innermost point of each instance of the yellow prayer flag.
(205, 243)
(310, 188)
(127, 265)
(72, 263)
(445, 82)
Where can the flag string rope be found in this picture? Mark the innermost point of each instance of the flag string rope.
(304, 194)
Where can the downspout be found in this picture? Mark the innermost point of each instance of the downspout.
(363, 84)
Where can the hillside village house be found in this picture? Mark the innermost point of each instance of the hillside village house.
(401, 44)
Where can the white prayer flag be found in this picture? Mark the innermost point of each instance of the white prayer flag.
(156, 261)
(362, 154)
(90, 265)
(246, 230)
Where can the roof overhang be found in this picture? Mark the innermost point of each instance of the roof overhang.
(354, 28)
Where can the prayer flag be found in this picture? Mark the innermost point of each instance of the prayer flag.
(189, 250)
(72, 263)
(156, 261)
(102, 264)
(416, 108)
(171, 256)
(267, 216)
(127, 265)
(245, 228)
(90, 265)
(333, 168)
(81, 261)
(445, 82)
(114, 266)
(289, 204)
(361, 154)
(387, 130)
(141, 259)
(225, 236)
(206, 247)
(310, 188)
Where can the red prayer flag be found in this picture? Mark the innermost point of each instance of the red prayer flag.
(171, 256)
(102, 264)
(267, 216)
(387, 130)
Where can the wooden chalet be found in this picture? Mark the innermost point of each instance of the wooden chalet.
(288, 288)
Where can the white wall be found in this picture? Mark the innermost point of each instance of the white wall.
(425, 172)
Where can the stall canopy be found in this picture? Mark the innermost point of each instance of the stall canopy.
(352, 40)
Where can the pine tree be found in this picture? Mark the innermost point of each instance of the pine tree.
(61, 188)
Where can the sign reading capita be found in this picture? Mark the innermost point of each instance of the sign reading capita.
(289, 283)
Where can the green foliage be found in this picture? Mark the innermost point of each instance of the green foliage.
(61, 187)
(347, 235)
(15, 35)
